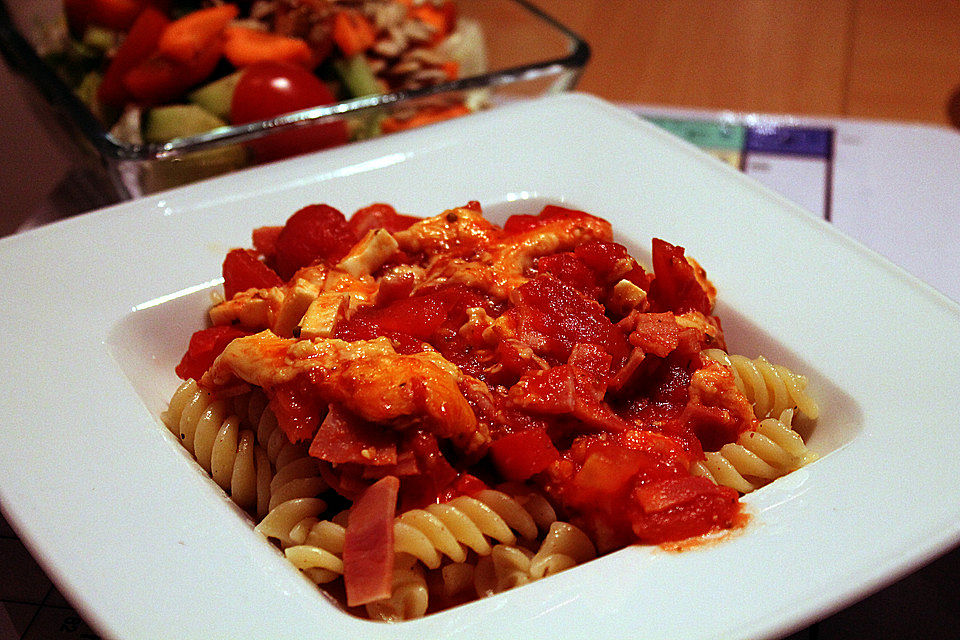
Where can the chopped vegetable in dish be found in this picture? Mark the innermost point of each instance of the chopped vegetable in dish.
(157, 70)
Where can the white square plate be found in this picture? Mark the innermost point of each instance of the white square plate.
(98, 309)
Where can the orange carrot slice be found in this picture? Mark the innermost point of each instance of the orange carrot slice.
(352, 32)
(245, 46)
(441, 19)
(186, 37)
(451, 68)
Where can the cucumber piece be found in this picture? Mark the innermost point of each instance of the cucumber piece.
(215, 97)
(87, 89)
(359, 80)
(100, 39)
(169, 122)
(179, 121)
(366, 126)
(358, 77)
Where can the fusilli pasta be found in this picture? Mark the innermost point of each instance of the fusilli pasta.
(770, 387)
(465, 523)
(212, 433)
(563, 547)
(410, 597)
(757, 457)
(509, 566)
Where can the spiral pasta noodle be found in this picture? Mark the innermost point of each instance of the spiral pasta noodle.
(466, 523)
(563, 547)
(281, 483)
(213, 434)
(757, 457)
(318, 551)
(506, 567)
(312, 544)
(409, 597)
(509, 566)
(478, 535)
(771, 388)
(253, 409)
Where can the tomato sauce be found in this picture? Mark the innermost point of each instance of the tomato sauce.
(597, 405)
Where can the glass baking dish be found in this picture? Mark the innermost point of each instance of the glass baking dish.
(525, 53)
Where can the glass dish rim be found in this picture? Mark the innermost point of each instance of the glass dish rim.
(23, 59)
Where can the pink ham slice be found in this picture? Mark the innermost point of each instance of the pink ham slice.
(368, 554)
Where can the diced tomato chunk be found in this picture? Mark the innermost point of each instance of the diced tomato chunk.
(552, 317)
(556, 212)
(592, 359)
(523, 222)
(568, 268)
(607, 470)
(410, 321)
(297, 408)
(611, 262)
(656, 333)
(419, 316)
(243, 270)
(466, 484)
(675, 286)
(635, 486)
(520, 223)
(523, 454)
(681, 508)
(664, 494)
(602, 257)
(205, 345)
(265, 241)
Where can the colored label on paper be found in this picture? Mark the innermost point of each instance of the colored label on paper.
(708, 135)
(805, 141)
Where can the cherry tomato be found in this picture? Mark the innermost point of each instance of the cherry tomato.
(315, 232)
(269, 89)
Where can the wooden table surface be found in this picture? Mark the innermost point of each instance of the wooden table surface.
(892, 60)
